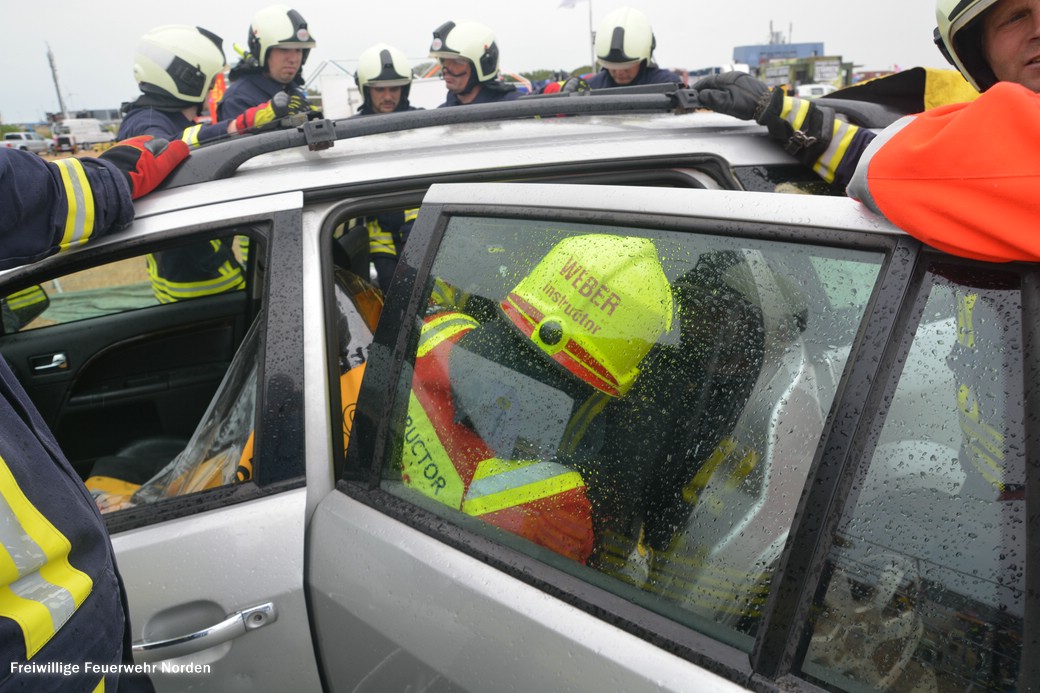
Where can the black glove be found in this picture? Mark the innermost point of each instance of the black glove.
(146, 161)
(814, 133)
(734, 93)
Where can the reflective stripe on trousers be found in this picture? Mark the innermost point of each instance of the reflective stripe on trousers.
(41, 589)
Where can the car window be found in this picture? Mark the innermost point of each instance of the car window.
(191, 271)
(638, 407)
(927, 572)
(143, 367)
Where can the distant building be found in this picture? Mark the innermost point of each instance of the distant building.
(763, 53)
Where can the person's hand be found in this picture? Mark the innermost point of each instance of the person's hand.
(734, 93)
(269, 112)
(146, 161)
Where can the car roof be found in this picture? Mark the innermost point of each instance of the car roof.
(465, 148)
(645, 126)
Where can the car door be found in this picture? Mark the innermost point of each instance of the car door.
(716, 482)
(210, 548)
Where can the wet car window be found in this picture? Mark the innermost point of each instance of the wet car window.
(639, 407)
(927, 573)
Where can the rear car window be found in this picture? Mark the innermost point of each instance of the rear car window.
(925, 584)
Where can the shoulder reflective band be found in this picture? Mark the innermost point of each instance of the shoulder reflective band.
(500, 484)
(79, 223)
(441, 328)
(41, 590)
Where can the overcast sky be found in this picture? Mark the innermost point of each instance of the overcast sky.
(94, 42)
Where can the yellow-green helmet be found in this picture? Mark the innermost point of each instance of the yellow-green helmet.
(596, 305)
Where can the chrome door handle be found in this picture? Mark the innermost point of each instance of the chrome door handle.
(57, 362)
(233, 626)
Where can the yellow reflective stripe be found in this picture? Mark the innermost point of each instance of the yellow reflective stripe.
(426, 464)
(794, 111)
(79, 223)
(100, 687)
(26, 297)
(829, 161)
(500, 484)
(191, 135)
(410, 214)
(440, 328)
(444, 294)
(579, 424)
(966, 320)
(42, 590)
(380, 241)
(168, 291)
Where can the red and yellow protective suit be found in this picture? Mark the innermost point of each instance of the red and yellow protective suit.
(544, 502)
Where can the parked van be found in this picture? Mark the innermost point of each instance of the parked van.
(73, 133)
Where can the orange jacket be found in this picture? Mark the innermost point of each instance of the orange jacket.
(961, 178)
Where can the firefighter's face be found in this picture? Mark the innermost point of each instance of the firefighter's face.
(624, 75)
(284, 63)
(456, 74)
(385, 99)
(1011, 42)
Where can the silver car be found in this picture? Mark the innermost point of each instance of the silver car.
(813, 477)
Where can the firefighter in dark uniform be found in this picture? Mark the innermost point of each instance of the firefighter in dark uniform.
(174, 67)
(384, 78)
(279, 43)
(61, 602)
(468, 55)
(624, 50)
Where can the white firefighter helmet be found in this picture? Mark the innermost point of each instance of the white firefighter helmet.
(624, 37)
(178, 60)
(470, 41)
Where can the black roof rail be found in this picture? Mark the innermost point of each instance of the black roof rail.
(222, 159)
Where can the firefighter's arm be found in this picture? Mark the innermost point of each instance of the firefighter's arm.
(809, 132)
(50, 207)
(961, 178)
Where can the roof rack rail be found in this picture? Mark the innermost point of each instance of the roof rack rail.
(223, 159)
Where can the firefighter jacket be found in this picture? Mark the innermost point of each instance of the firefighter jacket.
(61, 602)
(960, 178)
(544, 502)
(201, 269)
(387, 233)
(46, 208)
(647, 75)
(168, 125)
(252, 89)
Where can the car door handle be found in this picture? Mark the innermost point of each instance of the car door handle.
(233, 626)
(49, 362)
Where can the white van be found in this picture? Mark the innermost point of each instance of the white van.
(73, 133)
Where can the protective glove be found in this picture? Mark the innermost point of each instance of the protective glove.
(807, 129)
(269, 112)
(734, 93)
(146, 161)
